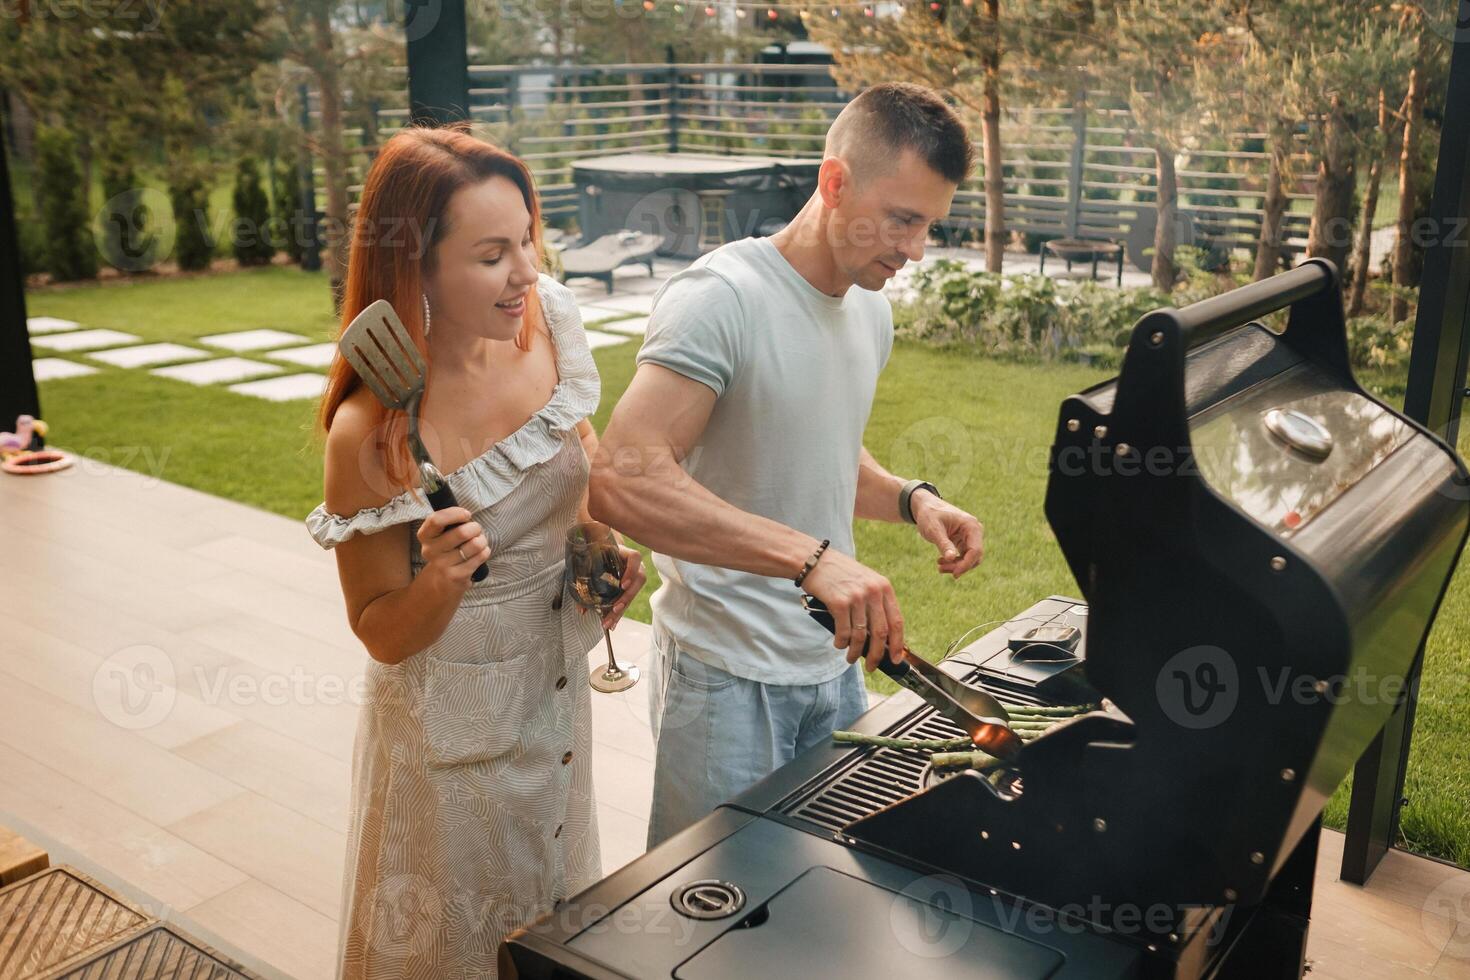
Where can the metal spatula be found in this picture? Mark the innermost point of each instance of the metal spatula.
(977, 714)
(377, 345)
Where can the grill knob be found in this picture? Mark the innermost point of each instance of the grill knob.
(708, 899)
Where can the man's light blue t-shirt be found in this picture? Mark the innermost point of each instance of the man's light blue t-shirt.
(794, 371)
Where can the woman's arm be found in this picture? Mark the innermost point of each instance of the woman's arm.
(394, 613)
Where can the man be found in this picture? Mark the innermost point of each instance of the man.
(736, 454)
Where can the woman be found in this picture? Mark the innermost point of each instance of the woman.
(472, 805)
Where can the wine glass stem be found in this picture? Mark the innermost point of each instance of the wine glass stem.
(612, 663)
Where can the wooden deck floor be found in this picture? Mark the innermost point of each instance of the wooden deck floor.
(174, 720)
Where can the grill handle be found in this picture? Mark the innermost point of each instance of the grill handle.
(1202, 322)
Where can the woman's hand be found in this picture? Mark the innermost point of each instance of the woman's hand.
(451, 556)
(633, 579)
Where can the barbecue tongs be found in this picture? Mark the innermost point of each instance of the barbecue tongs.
(980, 716)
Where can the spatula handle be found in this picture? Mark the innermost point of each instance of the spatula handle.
(442, 499)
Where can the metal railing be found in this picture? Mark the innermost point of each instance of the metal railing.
(1061, 179)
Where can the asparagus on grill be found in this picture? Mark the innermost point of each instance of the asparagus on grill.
(1027, 721)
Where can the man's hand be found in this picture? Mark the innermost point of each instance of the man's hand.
(959, 536)
(863, 607)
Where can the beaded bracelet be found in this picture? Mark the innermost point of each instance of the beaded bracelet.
(812, 561)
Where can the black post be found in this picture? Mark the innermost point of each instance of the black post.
(673, 99)
(438, 67)
(1074, 170)
(311, 246)
(18, 395)
(1436, 388)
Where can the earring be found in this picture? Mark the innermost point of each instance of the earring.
(427, 317)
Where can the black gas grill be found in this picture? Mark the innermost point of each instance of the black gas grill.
(1262, 547)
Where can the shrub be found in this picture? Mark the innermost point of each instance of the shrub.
(252, 239)
(65, 221)
(189, 197)
(1022, 316)
(288, 221)
(126, 241)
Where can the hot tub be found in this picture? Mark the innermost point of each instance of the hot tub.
(659, 193)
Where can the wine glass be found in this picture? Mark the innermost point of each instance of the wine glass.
(594, 575)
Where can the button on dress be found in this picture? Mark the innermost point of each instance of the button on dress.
(472, 807)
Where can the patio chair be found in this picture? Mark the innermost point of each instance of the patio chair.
(1082, 250)
(597, 259)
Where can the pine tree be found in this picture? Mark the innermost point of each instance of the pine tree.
(70, 250)
(252, 244)
(1159, 48)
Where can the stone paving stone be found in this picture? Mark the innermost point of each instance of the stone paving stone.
(592, 314)
(212, 372)
(83, 339)
(51, 368)
(146, 355)
(596, 339)
(49, 324)
(240, 340)
(315, 355)
(637, 326)
(284, 389)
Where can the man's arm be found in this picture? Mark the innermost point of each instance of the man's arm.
(638, 485)
(877, 491)
(959, 536)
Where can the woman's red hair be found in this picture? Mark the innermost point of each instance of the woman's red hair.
(401, 218)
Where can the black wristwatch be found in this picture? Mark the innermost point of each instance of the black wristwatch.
(904, 509)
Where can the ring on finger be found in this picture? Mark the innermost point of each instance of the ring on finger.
(460, 551)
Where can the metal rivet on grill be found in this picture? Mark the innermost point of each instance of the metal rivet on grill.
(1099, 824)
(1278, 564)
(1231, 895)
(1257, 857)
(1015, 845)
(1287, 775)
(1124, 449)
(1156, 338)
(1073, 425)
(1101, 432)
(1320, 687)
(985, 835)
(708, 899)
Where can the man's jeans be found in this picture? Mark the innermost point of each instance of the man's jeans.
(716, 734)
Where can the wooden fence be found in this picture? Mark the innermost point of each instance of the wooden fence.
(1065, 176)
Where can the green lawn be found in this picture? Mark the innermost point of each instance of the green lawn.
(978, 428)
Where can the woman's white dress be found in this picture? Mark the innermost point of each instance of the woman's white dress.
(472, 804)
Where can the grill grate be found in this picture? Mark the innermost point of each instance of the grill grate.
(882, 777)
